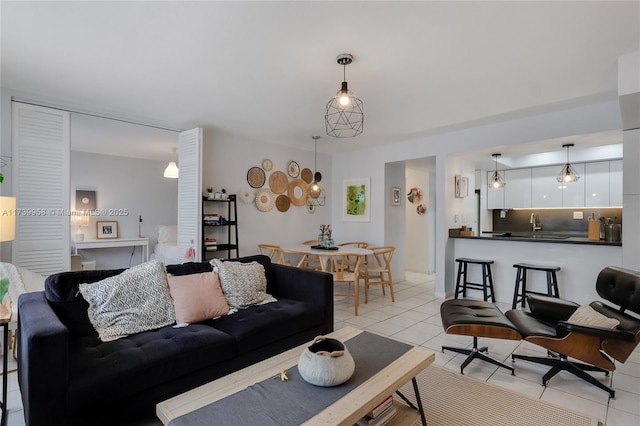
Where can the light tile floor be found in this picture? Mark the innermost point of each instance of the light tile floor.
(415, 318)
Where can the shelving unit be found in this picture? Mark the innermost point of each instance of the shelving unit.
(224, 243)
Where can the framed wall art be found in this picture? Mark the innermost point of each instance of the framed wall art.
(356, 204)
(85, 200)
(461, 186)
(395, 196)
(107, 229)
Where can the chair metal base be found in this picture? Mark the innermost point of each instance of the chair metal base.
(561, 363)
(474, 353)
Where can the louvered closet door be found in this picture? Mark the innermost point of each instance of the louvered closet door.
(40, 138)
(190, 194)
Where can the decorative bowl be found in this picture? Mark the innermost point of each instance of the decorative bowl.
(327, 362)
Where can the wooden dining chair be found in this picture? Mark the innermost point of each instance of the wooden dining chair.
(358, 244)
(274, 252)
(343, 274)
(378, 270)
(312, 261)
(294, 257)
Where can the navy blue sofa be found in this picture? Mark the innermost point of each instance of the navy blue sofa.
(67, 376)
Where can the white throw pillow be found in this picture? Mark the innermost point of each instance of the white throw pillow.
(243, 284)
(586, 315)
(167, 234)
(134, 301)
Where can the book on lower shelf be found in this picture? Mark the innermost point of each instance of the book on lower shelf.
(382, 418)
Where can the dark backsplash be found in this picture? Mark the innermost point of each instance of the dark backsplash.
(552, 220)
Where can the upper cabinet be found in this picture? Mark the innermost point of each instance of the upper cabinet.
(545, 189)
(615, 183)
(495, 196)
(517, 191)
(600, 185)
(573, 193)
(597, 184)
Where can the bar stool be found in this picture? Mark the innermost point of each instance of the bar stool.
(487, 280)
(521, 282)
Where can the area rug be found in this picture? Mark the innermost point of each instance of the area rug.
(450, 399)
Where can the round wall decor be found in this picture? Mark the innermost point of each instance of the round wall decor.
(283, 203)
(256, 177)
(267, 165)
(306, 175)
(278, 182)
(265, 200)
(294, 169)
(415, 195)
(298, 192)
(421, 209)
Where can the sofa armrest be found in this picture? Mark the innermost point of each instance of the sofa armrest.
(305, 285)
(43, 362)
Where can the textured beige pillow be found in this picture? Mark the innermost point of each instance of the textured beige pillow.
(197, 297)
(586, 315)
(243, 284)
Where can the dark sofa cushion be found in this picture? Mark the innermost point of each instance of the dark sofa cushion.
(101, 373)
(261, 325)
(63, 293)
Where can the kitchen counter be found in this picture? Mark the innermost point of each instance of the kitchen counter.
(580, 261)
(539, 238)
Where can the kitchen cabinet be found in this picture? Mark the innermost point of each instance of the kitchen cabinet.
(545, 189)
(517, 191)
(495, 196)
(615, 183)
(600, 185)
(573, 192)
(597, 184)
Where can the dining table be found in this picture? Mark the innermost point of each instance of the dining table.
(338, 251)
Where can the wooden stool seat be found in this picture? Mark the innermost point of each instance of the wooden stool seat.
(521, 291)
(463, 284)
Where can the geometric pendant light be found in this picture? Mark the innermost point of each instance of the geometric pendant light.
(314, 188)
(344, 115)
(568, 173)
(496, 180)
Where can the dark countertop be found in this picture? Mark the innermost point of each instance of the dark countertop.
(539, 238)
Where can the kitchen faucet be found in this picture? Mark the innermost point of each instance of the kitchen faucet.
(532, 221)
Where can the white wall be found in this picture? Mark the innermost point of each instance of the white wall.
(416, 229)
(124, 183)
(225, 164)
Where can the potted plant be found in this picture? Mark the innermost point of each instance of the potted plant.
(210, 192)
(224, 194)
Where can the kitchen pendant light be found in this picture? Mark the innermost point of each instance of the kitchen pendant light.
(314, 188)
(171, 171)
(568, 173)
(496, 180)
(344, 113)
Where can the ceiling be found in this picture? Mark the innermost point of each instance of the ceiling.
(264, 71)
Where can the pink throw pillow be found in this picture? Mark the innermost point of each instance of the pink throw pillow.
(197, 297)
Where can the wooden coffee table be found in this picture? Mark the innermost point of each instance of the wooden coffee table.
(346, 411)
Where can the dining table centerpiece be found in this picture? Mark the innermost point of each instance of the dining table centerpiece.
(324, 238)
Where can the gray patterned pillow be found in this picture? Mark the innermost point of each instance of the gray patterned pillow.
(243, 284)
(136, 300)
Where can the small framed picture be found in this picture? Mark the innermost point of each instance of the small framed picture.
(105, 230)
(461, 186)
(395, 196)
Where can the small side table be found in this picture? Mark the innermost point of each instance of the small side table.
(4, 323)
